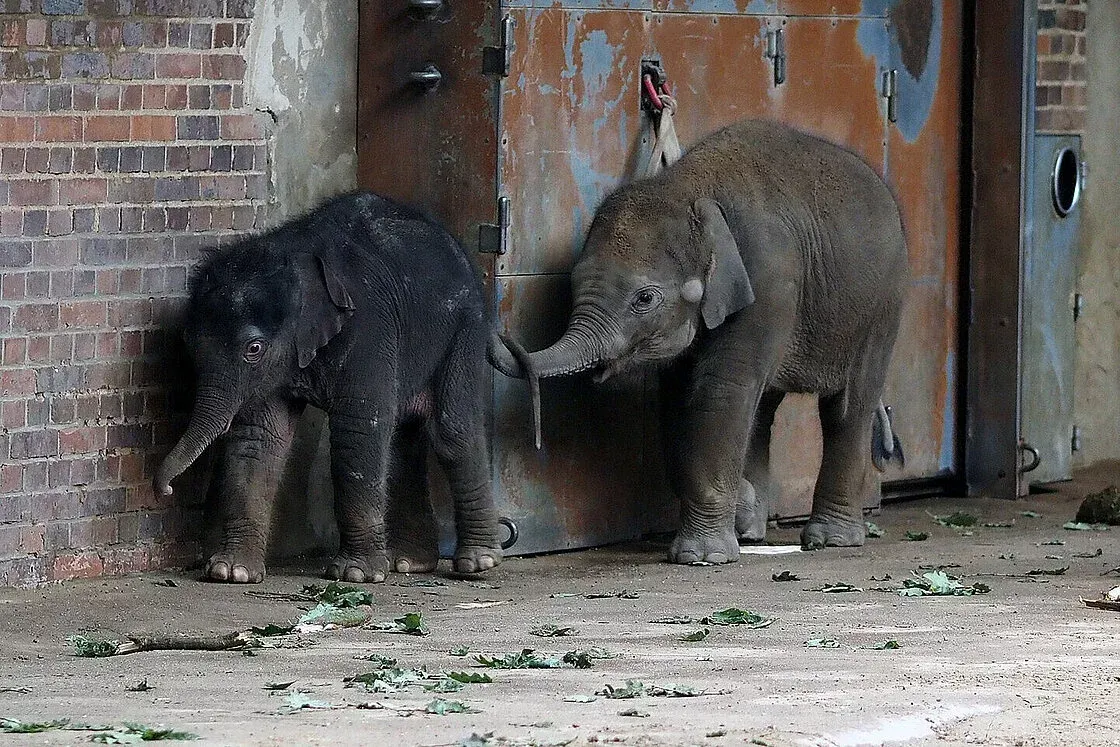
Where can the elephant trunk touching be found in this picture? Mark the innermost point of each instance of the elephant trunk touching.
(578, 349)
(212, 415)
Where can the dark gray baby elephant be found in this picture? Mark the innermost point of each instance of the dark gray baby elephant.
(372, 312)
(765, 261)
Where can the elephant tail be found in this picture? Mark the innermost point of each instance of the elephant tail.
(885, 446)
(507, 355)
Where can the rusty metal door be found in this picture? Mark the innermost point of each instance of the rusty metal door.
(881, 78)
(557, 125)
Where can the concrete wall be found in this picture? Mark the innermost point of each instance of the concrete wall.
(303, 73)
(1097, 407)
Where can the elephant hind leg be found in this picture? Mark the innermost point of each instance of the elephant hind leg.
(410, 520)
(846, 481)
(756, 491)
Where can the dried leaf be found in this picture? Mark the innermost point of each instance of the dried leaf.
(552, 631)
(279, 686)
(822, 643)
(674, 620)
(890, 645)
(956, 519)
(441, 707)
(912, 536)
(140, 687)
(785, 576)
(1048, 572)
(873, 530)
(634, 712)
(696, 635)
(458, 651)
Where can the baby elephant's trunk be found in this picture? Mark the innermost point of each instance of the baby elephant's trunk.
(212, 415)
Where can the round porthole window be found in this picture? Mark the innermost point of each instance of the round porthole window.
(1067, 181)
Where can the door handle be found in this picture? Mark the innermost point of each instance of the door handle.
(424, 10)
(427, 78)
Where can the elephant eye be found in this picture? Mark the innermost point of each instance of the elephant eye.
(254, 351)
(646, 300)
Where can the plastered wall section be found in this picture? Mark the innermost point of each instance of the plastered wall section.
(1097, 371)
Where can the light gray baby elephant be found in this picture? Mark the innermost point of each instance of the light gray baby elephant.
(764, 261)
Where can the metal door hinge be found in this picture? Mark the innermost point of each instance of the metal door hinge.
(494, 239)
(495, 60)
(1075, 439)
(890, 93)
(776, 51)
(1078, 306)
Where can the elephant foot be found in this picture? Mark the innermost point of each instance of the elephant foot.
(358, 570)
(477, 559)
(236, 567)
(717, 547)
(830, 531)
(751, 514)
(414, 545)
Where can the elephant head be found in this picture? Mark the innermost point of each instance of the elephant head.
(653, 269)
(256, 314)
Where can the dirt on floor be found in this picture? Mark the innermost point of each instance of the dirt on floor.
(1024, 664)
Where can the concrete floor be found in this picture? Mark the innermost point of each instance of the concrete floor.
(1025, 664)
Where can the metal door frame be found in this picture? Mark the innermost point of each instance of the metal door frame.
(1001, 130)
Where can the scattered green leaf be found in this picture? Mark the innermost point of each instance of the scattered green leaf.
(632, 689)
(133, 733)
(410, 623)
(998, 524)
(1048, 571)
(716, 733)
(873, 530)
(912, 536)
(525, 659)
(278, 686)
(938, 583)
(736, 616)
(445, 685)
(15, 726)
(696, 635)
(441, 707)
(784, 576)
(140, 687)
(891, 645)
(1096, 554)
(381, 661)
(634, 712)
(759, 742)
(1030, 514)
(679, 691)
(271, 630)
(579, 699)
(325, 613)
(822, 643)
(387, 680)
(470, 678)
(1052, 542)
(249, 652)
(552, 631)
(1007, 556)
(459, 651)
(1077, 526)
(338, 595)
(956, 519)
(93, 647)
(165, 582)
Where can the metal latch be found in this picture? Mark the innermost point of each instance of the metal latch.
(776, 51)
(495, 60)
(494, 239)
(890, 93)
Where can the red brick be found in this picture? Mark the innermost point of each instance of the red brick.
(16, 383)
(36, 317)
(107, 129)
(155, 96)
(240, 127)
(82, 191)
(77, 565)
(31, 540)
(11, 32)
(36, 33)
(39, 349)
(13, 414)
(179, 65)
(31, 192)
(11, 478)
(16, 129)
(81, 440)
(153, 128)
(82, 314)
(58, 129)
(14, 351)
(223, 67)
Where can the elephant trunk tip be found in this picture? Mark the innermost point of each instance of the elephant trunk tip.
(529, 369)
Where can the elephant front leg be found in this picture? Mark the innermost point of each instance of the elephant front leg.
(361, 437)
(246, 481)
(845, 482)
(717, 417)
(756, 490)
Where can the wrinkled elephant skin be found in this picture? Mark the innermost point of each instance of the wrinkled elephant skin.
(373, 313)
(765, 261)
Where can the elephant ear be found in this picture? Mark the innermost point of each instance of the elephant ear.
(325, 305)
(728, 288)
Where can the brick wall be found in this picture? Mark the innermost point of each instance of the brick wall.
(1060, 103)
(125, 148)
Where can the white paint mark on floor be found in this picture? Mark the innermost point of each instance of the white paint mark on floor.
(769, 549)
(901, 729)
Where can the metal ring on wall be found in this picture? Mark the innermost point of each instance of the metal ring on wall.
(1065, 184)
